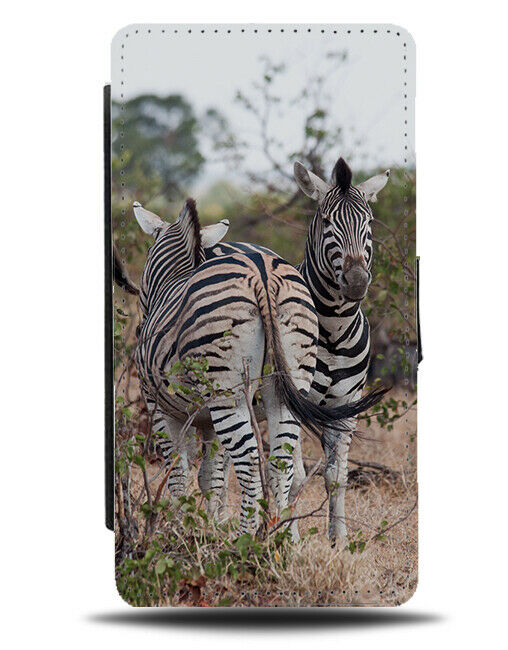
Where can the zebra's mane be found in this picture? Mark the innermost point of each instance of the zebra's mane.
(342, 175)
(191, 213)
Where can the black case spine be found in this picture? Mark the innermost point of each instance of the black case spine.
(108, 317)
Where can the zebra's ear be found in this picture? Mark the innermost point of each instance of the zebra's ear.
(373, 185)
(148, 221)
(310, 184)
(211, 235)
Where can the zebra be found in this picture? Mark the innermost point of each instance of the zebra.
(244, 308)
(337, 271)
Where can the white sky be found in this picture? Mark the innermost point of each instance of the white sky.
(366, 93)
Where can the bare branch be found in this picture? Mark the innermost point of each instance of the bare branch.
(403, 256)
(257, 433)
(284, 522)
(396, 523)
(313, 471)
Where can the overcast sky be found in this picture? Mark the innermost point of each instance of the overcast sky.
(366, 93)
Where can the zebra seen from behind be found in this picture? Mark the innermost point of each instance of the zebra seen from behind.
(337, 271)
(250, 308)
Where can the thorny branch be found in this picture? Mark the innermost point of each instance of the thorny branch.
(257, 433)
(284, 522)
(311, 473)
(403, 256)
(396, 523)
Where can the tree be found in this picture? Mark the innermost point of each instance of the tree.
(160, 144)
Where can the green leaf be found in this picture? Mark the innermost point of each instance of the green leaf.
(244, 541)
(285, 513)
(176, 368)
(160, 567)
(268, 369)
(140, 461)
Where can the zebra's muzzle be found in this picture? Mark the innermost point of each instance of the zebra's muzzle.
(355, 282)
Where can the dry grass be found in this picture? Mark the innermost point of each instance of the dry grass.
(314, 573)
(386, 571)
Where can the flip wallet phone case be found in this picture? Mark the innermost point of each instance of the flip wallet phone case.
(262, 337)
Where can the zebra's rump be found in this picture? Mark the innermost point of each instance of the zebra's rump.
(343, 355)
(220, 314)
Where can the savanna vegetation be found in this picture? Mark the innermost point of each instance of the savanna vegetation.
(172, 553)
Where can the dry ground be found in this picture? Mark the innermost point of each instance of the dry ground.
(385, 573)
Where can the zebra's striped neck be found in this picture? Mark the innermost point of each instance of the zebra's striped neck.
(336, 314)
(172, 258)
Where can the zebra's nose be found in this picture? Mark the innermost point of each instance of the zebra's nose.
(355, 282)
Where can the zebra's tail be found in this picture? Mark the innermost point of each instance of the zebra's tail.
(121, 276)
(313, 416)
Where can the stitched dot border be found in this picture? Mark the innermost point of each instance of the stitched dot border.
(350, 597)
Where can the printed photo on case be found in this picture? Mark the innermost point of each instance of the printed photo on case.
(264, 323)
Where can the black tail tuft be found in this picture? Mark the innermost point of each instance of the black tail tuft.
(316, 417)
(120, 275)
(311, 415)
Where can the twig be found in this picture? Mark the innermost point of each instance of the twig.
(403, 256)
(358, 477)
(164, 480)
(148, 498)
(126, 369)
(396, 523)
(284, 522)
(272, 214)
(371, 464)
(313, 471)
(257, 433)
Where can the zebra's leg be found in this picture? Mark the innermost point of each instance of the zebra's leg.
(336, 453)
(284, 432)
(167, 433)
(213, 475)
(233, 428)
